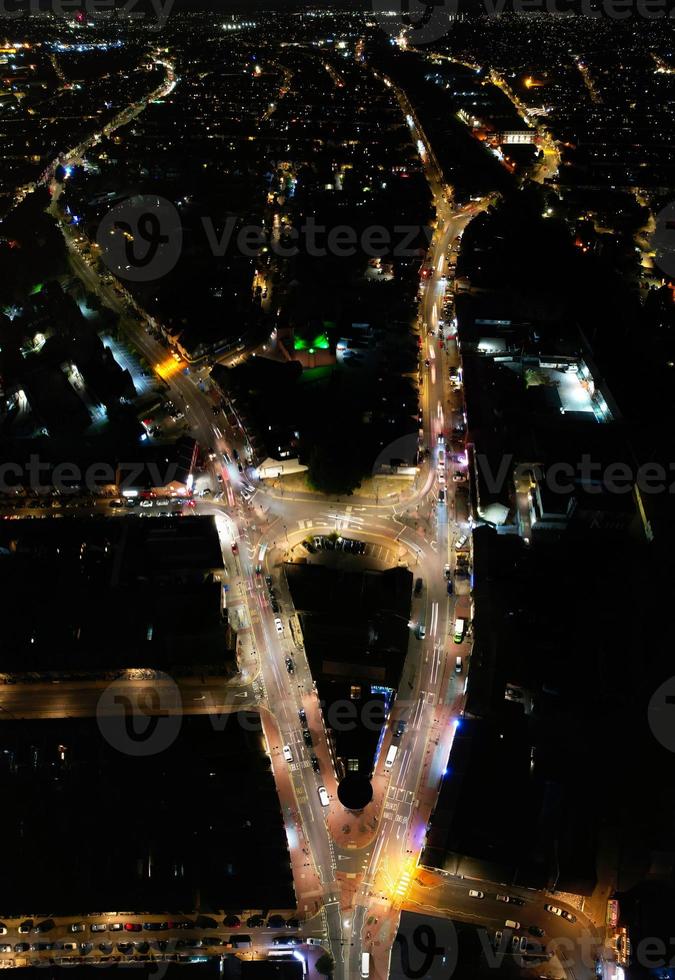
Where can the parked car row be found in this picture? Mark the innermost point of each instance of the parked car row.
(322, 542)
(272, 594)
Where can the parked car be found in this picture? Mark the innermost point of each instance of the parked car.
(76, 927)
(476, 894)
(536, 931)
(132, 926)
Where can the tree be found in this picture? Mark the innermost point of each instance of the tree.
(325, 965)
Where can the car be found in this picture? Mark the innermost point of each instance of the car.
(26, 927)
(86, 948)
(315, 763)
(458, 477)
(105, 947)
(449, 587)
(512, 924)
(515, 944)
(255, 922)
(536, 931)
(275, 606)
(98, 927)
(421, 631)
(268, 581)
(21, 947)
(568, 915)
(516, 901)
(441, 496)
(499, 935)
(76, 927)
(307, 736)
(523, 943)
(288, 755)
(276, 922)
(461, 541)
(553, 909)
(302, 715)
(232, 921)
(279, 625)
(3, 929)
(116, 926)
(146, 503)
(132, 926)
(476, 894)
(502, 898)
(447, 571)
(418, 585)
(290, 666)
(5, 947)
(399, 728)
(323, 796)
(125, 948)
(235, 548)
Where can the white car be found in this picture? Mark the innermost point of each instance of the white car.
(461, 541)
(323, 796)
(146, 503)
(279, 625)
(476, 894)
(288, 755)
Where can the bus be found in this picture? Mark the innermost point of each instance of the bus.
(365, 965)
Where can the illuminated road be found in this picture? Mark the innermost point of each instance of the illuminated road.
(353, 889)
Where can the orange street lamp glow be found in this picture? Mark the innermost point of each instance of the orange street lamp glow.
(168, 368)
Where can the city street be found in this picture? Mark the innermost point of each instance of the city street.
(353, 873)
